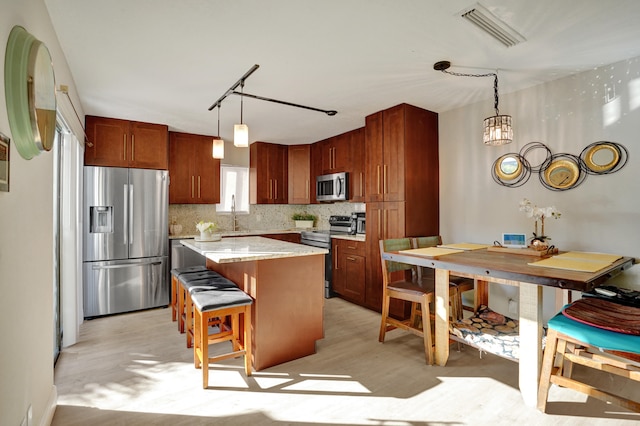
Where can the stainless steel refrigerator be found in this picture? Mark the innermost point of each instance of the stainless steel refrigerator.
(125, 251)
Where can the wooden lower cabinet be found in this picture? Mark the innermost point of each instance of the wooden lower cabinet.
(292, 237)
(349, 270)
(385, 220)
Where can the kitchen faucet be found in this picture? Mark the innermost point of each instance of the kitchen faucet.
(234, 219)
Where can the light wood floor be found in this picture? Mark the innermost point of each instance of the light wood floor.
(135, 369)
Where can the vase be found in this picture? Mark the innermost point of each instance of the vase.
(209, 236)
(539, 245)
(304, 224)
(175, 229)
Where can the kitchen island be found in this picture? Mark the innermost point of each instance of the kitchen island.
(286, 281)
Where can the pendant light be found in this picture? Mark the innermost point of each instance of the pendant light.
(497, 129)
(217, 150)
(241, 131)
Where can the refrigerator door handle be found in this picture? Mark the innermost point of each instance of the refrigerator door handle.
(130, 213)
(125, 265)
(126, 214)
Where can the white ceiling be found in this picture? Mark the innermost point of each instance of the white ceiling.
(168, 61)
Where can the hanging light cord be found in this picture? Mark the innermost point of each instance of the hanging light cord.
(491, 74)
(241, 100)
(218, 120)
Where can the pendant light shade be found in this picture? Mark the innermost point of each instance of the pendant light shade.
(497, 130)
(218, 148)
(240, 135)
(241, 131)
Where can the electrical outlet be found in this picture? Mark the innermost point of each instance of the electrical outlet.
(513, 306)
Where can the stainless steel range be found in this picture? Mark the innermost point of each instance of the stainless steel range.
(338, 225)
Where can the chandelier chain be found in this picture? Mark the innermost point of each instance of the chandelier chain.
(491, 74)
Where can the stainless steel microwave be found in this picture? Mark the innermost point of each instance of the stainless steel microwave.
(333, 187)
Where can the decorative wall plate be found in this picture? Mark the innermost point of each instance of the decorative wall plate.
(562, 172)
(603, 157)
(511, 170)
(30, 92)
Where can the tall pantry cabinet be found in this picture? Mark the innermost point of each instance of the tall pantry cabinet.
(401, 177)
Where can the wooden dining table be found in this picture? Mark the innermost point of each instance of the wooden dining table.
(504, 267)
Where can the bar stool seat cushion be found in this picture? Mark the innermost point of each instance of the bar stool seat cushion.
(598, 337)
(211, 300)
(188, 269)
(191, 276)
(213, 283)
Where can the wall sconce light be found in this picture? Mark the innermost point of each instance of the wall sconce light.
(217, 148)
(241, 131)
(497, 129)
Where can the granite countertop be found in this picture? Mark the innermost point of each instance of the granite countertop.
(242, 249)
(357, 237)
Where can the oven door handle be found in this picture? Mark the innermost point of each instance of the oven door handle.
(319, 244)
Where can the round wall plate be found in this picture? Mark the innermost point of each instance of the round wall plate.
(30, 92)
(561, 173)
(601, 157)
(508, 167)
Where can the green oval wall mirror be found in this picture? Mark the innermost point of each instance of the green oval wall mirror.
(30, 91)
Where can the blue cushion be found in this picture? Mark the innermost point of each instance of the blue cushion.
(594, 336)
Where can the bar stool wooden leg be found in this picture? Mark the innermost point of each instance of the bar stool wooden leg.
(174, 297)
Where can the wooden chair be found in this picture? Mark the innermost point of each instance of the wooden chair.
(570, 341)
(460, 284)
(411, 291)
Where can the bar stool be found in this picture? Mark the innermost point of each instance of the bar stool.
(195, 286)
(614, 349)
(175, 273)
(228, 304)
(182, 280)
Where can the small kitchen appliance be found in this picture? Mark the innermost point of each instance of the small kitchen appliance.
(332, 187)
(357, 225)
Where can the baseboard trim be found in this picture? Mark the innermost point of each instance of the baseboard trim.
(50, 409)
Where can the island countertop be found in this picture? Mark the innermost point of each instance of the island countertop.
(242, 249)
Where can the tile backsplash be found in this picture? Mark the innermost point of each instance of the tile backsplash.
(260, 217)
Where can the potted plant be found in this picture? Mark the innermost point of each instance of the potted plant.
(304, 220)
(207, 230)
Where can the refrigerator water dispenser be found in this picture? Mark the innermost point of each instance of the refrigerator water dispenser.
(101, 219)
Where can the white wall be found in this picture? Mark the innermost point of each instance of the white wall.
(26, 248)
(602, 214)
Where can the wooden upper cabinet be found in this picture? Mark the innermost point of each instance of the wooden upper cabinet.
(374, 161)
(356, 166)
(335, 153)
(122, 143)
(300, 174)
(194, 174)
(401, 145)
(316, 169)
(268, 173)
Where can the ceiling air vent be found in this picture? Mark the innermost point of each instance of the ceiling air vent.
(492, 25)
